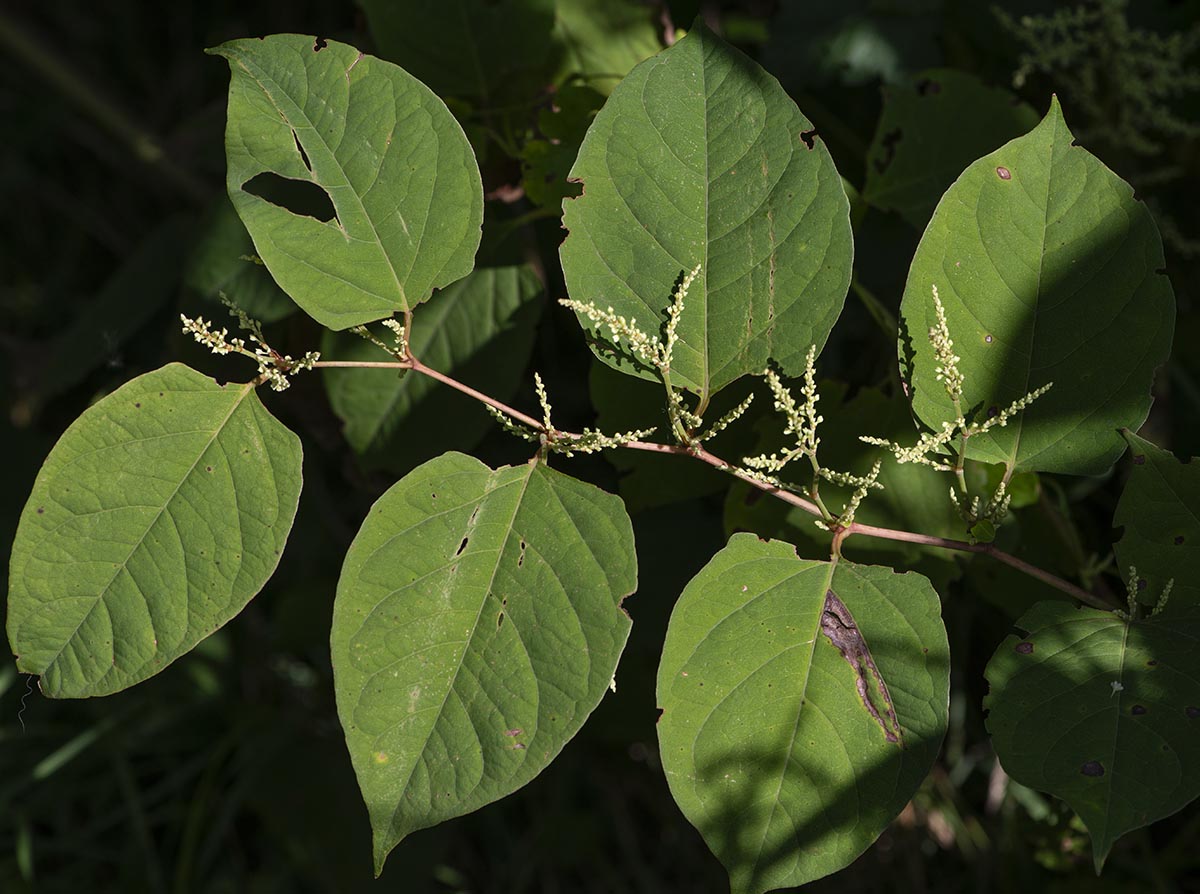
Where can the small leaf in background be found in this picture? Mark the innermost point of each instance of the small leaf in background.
(545, 161)
(477, 625)
(1100, 712)
(478, 330)
(156, 517)
(929, 131)
(796, 726)
(600, 42)
(222, 261)
(700, 158)
(1158, 512)
(1050, 271)
(140, 287)
(487, 52)
(357, 185)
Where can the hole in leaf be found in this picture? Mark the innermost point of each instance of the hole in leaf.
(462, 546)
(319, 44)
(301, 197)
(809, 137)
(889, 141)
(303, 154)
(500, 620)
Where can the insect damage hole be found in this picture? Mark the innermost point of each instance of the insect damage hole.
(301, 197)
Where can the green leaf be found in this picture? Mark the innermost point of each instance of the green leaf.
(601, 42)
(699, 157)
(769, 747)
(1050, 271)
(929, 130)
(222, 262)
(376, 143)
(1123, 755)
(475, 49)
(156, 517)
(1158, 510)
(480, 329)
(477, 625)
(546, 162)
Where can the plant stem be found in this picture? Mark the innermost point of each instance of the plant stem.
(700, 453)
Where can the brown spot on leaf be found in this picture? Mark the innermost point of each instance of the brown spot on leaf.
(1139, 459)
(1179, 540)
(1092, 768)
(1003, 173)
(1024, 648)
(1192, 712)
(1138, 710)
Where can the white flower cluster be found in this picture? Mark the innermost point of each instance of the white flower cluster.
(1132, 588)
(273, 367)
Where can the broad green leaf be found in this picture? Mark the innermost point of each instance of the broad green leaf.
(546, 161)
(789, 769)
(1050, 271)
(156, 517)
(477, 625)
(929, 130)
(479, 50)
(700, 158)
(406, 197)
(1159, 513)
(480, 329)
(1100, 712)
(600, 42)
(222, 262)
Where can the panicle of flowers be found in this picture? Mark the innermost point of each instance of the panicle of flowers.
(399, 349)
(648, 349)
(993, 510)
(865, 484)
(725, 421)
(590, 440)
(273, 367)
(1133, 586)
(948, 372)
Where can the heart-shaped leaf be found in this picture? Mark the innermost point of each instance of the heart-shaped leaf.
(477, 625)
(156, 517)
(803, 703)
(700, 158)
(1101, 712)
(1049, 271)
(317, 129)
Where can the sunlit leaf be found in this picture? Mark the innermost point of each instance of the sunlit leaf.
(803, 703)
(156, 517)
(1050, 271)
(357, 185)
(700, 158)
(477, 625)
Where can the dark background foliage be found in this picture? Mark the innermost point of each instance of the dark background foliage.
(227, 772)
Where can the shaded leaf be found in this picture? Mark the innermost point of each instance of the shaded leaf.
(768, 743)
(480, 329)
(140, 287)
(221, 261)
(929, 131)
(546, 162)
(156, 517)
(476, 49)
(477, 625)
(1158, 511)
(600, 42)
(699, 157)
(1100, 712)
(1049, 271)
(372, 144)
